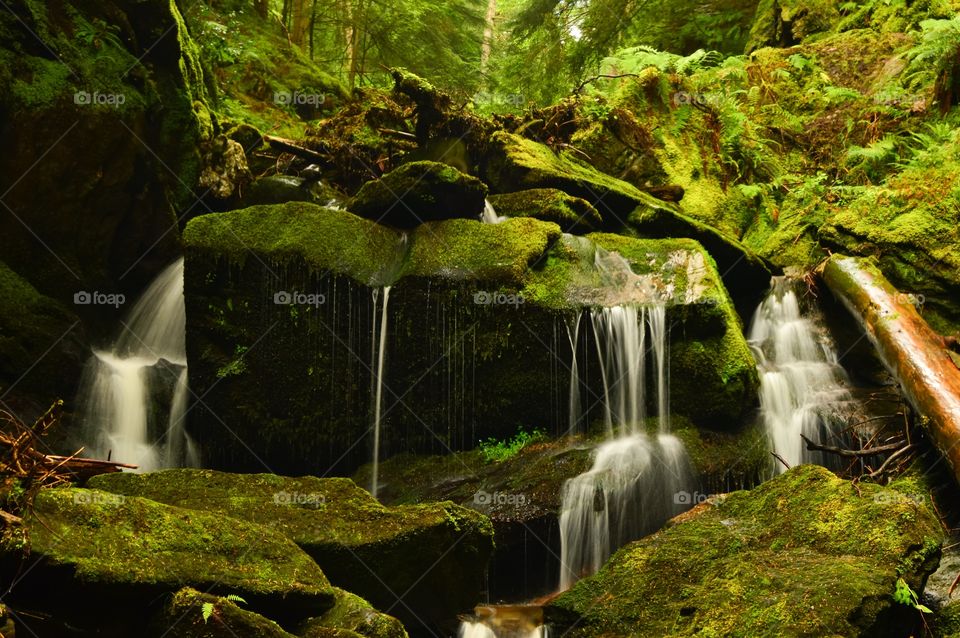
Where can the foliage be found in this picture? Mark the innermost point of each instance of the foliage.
(494, 451)
(906, 596)
(207, 608)
(936, 59)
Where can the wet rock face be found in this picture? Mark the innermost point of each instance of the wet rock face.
(101, 145)
(284, 307)
(421, 563)
(420, 192)
(571, 214)
(804, 554)
(114, 558)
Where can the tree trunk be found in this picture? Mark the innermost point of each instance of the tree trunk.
(300, 18)
(911, 350)
(488, 32)
(262, 7)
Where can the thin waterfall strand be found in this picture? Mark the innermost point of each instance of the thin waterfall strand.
(378, 394)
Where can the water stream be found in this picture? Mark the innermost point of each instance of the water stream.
(134, 394)
(803, 389)
(633, 485)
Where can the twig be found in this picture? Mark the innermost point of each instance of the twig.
(873, 451)
(780, 458)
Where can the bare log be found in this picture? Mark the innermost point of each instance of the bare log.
(909, 348)
(289, 146)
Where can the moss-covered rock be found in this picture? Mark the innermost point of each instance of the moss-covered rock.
(284, 302)
(102, 141)
(571, 214)
(784, 23)
(419, 192)
(41, 346)
(114, 556)
(515, 164)
(183, 617)
(422, 563)
(352, 613)
(804, 554)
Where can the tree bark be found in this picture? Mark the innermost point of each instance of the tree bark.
(910, 349)
(488, 32)
(300, 19)
(262, 7)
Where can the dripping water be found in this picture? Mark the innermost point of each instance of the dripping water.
(378, 383)
(489, 215)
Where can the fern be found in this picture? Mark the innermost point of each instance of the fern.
(235, 599)
(936, 59)
(206, 610)
(636, 59)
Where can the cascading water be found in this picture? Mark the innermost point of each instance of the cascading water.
(489, 215)
(122, 386)
(504, 621)
(381, 342)
(633, 486)
(802, 387)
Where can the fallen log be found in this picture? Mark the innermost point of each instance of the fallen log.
(290, 146)
(908, 347)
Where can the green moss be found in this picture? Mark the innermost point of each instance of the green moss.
(517, 164)
(805, 553)
(419, 192)
(105, 547)
(432, 555)
(353, 613)
(183, 618)
(467, 249)
(572, 214)
(326, 239)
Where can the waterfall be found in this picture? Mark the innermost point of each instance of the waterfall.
(140, 382)
(802, 387)
(378, 383)
(504, 621)
(489, 215)
(636, 481)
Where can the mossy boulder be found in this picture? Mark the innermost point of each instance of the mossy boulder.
(515, 163)
(806, 554)
(571, 214)
(744, 272)
(285, 303)
(114, 557)
(422, 563)
(784, 23)
(354, 614)
(102, 141)
(183, 617)
(419, 192)
(41, 346)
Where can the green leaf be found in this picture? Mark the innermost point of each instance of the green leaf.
(207, 610)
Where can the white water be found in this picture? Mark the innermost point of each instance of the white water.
(378, 383)
(477, 629)
(636, 479)
(121, 384)
(489, 215)
(802, 387)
